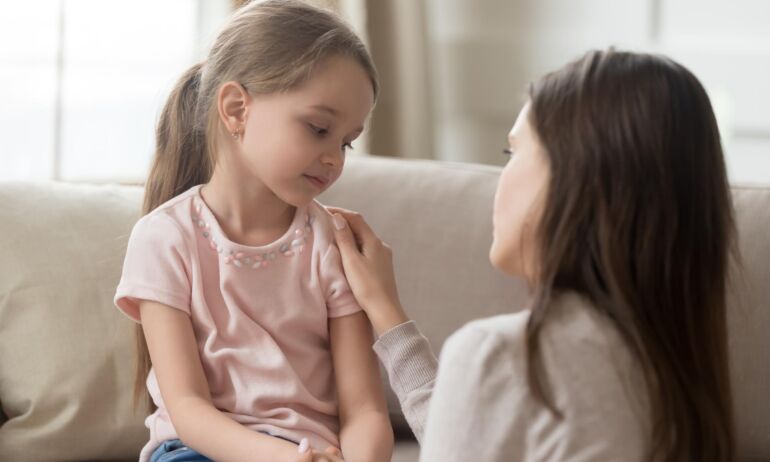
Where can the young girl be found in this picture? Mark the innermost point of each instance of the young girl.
(615, 207)
(257, 343)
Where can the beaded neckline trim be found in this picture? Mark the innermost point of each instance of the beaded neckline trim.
(292, 245)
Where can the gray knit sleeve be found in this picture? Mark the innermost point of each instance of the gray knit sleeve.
(411, 367)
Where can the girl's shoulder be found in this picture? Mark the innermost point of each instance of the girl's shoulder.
(323, 228)
(170, 222)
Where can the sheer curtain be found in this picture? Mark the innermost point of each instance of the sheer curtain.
(82, 82)
(455, 72)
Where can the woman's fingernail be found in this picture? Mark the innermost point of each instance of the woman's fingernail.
(304, 445)
(339, 222)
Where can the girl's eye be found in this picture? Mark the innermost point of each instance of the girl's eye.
(318, 130)
(508, 152)
(347, 146)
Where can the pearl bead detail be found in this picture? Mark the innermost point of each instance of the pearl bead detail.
(295, 246)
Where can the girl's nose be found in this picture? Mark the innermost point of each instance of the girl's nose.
(332, 157)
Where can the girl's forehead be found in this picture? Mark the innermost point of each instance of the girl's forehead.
(339, 73)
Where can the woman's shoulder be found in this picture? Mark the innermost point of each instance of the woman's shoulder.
(574, 326)
(490, 342)
(575, 337)
(502, 328)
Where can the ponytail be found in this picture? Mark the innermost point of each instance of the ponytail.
(181, 162)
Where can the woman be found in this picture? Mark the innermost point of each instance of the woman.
(615, 208)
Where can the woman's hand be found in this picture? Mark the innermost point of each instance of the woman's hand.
(331, 454)
(368, 264)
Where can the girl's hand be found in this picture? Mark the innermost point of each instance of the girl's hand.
(368, 264)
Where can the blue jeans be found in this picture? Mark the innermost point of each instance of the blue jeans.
(176, 451)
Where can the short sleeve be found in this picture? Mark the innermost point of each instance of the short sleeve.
(339, 298)
(155, 268)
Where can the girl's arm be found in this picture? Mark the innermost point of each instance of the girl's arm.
(185, 391)
(403, 350)
(365, 431)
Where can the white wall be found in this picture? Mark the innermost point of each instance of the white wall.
(485, 52)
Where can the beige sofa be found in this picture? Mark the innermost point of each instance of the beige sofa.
(66, 353)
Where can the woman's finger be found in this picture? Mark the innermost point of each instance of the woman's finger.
(361, 229)
(333, 451)
(346, 241)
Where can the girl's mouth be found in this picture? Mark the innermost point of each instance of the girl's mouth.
(318, 182)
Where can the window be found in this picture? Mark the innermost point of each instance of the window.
(82, 82)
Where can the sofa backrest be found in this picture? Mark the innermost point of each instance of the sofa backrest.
(66, 353)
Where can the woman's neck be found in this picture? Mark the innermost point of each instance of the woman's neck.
(248, 211)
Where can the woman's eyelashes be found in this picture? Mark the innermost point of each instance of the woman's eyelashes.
(508, 152)
(322, 132)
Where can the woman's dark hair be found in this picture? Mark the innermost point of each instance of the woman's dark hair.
(638, 218)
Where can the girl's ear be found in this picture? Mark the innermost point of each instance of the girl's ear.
(232, 102)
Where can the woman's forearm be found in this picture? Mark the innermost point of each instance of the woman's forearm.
(385, 315)
(207, 430)
(411, 367)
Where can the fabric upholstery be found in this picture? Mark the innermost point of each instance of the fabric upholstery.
(66, 366)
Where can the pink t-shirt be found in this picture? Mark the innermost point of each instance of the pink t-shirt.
(260, 315)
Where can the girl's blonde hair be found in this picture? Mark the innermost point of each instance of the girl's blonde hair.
(268, 46)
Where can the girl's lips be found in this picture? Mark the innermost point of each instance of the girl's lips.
(319, 183)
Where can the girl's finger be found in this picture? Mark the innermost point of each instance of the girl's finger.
(305, 457)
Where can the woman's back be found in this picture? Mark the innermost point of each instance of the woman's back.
(592, 377)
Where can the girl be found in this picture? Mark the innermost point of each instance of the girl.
(615, 208)
(233, 271)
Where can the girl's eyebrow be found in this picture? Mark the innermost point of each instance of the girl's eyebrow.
(324, 108)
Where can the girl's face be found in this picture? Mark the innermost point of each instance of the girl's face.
(519, 201)
(294, 142)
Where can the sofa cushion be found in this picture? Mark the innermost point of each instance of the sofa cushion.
(749, 323)
(66, 354)
(66, 362)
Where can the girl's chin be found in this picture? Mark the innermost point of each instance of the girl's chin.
(297, 198)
